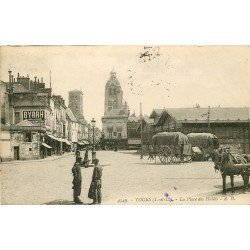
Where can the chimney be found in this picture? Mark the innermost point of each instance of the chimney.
(27, 75)
(8, 85)
(18, 75)
(41, 79)
(12, 77)
(35, 84)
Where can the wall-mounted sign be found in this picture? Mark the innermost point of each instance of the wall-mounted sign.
(33, 115)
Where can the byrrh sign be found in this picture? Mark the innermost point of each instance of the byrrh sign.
(33, 115)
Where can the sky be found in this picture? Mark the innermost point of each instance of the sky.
(157, 76)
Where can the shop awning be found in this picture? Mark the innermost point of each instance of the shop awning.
(81, 143)
(67, 142)
(52, 137)
(85, 142)
(45, 145)
(56, 138)
(60, 139)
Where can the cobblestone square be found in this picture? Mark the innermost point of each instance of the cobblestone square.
(127, 179)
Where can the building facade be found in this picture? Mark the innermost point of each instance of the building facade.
(116, 113)
(72, 128)
(230, 125)
(6, 114)
(34, 121)
(134, 135)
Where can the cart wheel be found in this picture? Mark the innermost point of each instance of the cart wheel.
(165, 153)
(187, 158)
(176, 159)
(162, 158)
(169, 159)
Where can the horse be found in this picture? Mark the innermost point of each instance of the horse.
(228, 165)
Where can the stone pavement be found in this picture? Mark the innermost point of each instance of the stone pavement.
(127, 179)
(49, 158)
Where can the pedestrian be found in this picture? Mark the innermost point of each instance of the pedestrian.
(95, 191)
(182, 152)
(86, 157)
(78, 156)
(77, 151)
(77, 179)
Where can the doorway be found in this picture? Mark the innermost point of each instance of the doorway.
(16, 153)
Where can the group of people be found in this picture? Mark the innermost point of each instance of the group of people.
(96, 182)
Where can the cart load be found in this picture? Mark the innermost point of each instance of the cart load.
(206, 142)
(171, 147)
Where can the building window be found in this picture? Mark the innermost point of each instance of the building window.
(110, 134)
(119, 135)
(27, 137)
(115, 133)
(109, 105)
(17, 117)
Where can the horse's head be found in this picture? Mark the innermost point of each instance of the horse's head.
(217, 158)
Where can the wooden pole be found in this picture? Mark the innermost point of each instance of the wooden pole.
(141, 128)
(208, 119)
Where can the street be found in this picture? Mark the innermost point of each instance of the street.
(127, 179)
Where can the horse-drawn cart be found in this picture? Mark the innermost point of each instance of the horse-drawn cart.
(203, 145)
(170, 147)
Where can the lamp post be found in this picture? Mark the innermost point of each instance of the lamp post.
(93, 122)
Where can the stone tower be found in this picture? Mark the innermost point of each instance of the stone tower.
(116, 112)
(113, 94)
(76, 103)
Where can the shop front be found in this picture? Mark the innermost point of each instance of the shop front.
(26, 139)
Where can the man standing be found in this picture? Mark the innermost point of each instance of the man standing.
(95, 191)
(86, 158)
(182, 152)
(77, 180)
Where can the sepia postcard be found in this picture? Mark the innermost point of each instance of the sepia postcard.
(125, 125)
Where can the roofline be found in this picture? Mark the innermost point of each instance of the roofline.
(75, 91)
(230, 107)
(168, 113)
(27, 128)
(155, 112)
(29, 106)
(214, 121)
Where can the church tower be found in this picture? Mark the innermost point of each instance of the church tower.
(76, 103)
(116, 112)
(113, 94)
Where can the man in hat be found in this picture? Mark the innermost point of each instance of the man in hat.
(77, 179)
(96, 184)
(182, 152)
(86, 158)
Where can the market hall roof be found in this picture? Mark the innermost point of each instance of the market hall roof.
(145, 121)
(217, 114)
(133, 118)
